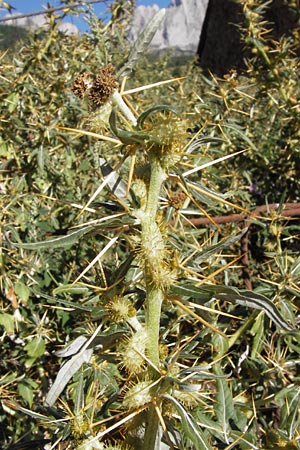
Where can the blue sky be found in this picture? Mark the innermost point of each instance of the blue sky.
(25, 6)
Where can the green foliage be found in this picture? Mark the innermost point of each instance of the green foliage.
(12, 37)
(122, 314)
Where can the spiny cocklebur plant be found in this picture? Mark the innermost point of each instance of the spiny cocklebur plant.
(150, 365)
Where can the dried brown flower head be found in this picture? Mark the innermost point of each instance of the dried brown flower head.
(99, 88)
(83, 82)
(104, 86)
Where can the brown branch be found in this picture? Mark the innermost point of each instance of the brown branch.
(290, 211)
(246, 274)
(50, 10)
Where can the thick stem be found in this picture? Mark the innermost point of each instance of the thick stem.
(153, 250)
(154, 253)
(151, 433)
(154, 301)
(157, 178)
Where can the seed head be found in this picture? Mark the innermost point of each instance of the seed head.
(82, 83)
(104, 86)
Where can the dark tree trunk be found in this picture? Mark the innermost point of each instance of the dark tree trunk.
(221, 47)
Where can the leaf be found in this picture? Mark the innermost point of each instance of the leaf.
(115, 183)
(189, 290)
(190, 426)
(15, 406)
(72, 348)
(293, 416)
(288, 399)
(142, 42)
(65, 373)
(69, 369)
(214, 249)
(244, 441)
(258, 331)
(221, 344)
(259, 301)
(154, 109)
(122, 270)
(126, 137)
(250, 299)
(22, 291)
(54, 300)
(79, 397)
(241, 133)
(7, 321)
(224, 407)
(61, 241)
(209, 424)
(36, 347)
(26, 393)
(12, 101)
(196, 143)
(200, 373)
(71, 289)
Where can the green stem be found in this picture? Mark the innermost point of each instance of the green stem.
(157, 178)
(154, 301)
(151, 430)
(154, 254)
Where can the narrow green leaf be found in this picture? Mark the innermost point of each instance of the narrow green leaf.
(154, 109)
(210, 425)
(142, 42)
(12, 100)
(258, 331)
(221, 344)
(115, 183)
(293, 419)
(71, 289)
(72, 348)
(241, 133)
(244, 441)
(224, 407)
(201, 141)
(214, 249)
(79, 397)
(33, 414)
(190, 426)
(288, 399)
(259, 301)
(187, 289)
(54, 300)
(65, 373)
(252, 300)
(126, 137)
(61, 241)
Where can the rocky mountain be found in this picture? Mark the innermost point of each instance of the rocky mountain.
(40, 20)
(181, 29)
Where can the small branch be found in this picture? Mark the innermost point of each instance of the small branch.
(289, 210)
(245, 257)
(50, 10)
